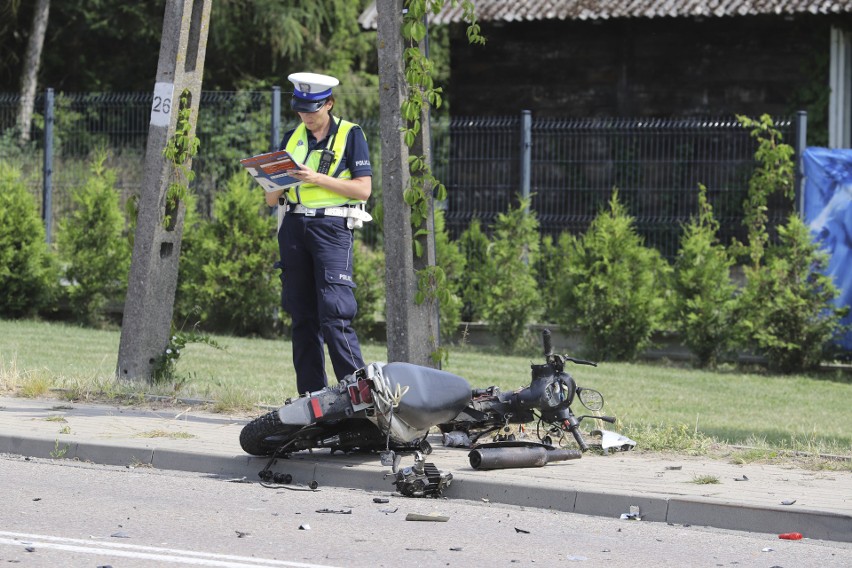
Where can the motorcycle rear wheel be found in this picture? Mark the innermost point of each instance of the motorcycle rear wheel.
(266, 434)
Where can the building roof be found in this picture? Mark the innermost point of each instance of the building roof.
(532, 10)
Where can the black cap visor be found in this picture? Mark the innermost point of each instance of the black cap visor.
(304, 105)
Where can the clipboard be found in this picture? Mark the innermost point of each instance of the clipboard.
(269, 170)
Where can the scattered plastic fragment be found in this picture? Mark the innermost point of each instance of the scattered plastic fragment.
(29, 549)
(238, 480)
(610, 439)
(633, 515)
(788, 501)
(456, 548)
(457, 439)
(791, 536)
(743, 478)
(120, 534)
(336, 511)
(380, 500)
(241, 534)
(389, 511)
(430, 517)
(305, 527)
(574, 558)
(767, 549)
(674, 467)
(421, 549)
(521, 531)
(485, 500)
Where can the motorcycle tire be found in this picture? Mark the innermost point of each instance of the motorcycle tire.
(264, 435)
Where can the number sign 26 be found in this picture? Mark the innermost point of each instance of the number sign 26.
(161, 109)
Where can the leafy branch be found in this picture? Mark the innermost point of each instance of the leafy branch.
(774, 173)
(182, 146)
(421, 94)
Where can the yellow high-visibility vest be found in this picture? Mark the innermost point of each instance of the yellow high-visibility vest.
(310, 194)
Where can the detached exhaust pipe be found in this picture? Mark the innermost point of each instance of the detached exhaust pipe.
(519, 456)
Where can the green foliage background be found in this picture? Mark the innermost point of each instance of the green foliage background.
(251, 43)
(226, 278)
(612, 286)
(92, 246)
(703, 293)
(28, 273)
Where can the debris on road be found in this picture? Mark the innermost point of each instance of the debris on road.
(633, 515)
(430, 517)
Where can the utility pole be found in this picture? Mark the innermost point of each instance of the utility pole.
(412, 329)
(149, 306)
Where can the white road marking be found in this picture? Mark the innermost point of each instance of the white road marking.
(145, 552)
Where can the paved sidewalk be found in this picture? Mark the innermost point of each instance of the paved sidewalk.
(747, 497)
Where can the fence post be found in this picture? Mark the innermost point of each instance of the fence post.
(801, 133)
(526, 153)
(275, 130)
(47, 177)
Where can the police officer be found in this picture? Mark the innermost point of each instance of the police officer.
(316, 236)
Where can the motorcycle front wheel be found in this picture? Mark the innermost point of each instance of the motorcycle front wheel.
(264, 435)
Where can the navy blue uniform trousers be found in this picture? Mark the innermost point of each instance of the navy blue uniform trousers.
(318, 293)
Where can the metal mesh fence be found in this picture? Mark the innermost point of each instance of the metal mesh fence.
(656, 164)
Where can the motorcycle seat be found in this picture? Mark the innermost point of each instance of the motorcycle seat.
(433, 396)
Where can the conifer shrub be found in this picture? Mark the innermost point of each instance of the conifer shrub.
(473, 284)
(704, 297)
(93, 248)
(28, 272)
(791, 315)
(226, 278)
(786, 310)
(614, 287)
(511, 299)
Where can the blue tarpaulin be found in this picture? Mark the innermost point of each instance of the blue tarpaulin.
(828, 213)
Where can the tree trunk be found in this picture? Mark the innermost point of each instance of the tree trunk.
(29, 72)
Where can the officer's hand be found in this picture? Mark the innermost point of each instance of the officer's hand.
(306, 174)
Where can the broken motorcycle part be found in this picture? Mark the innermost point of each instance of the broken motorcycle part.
(422, 479)
(503, 455)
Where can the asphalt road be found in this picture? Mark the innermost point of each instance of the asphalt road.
(65, 513)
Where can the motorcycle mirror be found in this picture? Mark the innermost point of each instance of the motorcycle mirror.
(590, 398)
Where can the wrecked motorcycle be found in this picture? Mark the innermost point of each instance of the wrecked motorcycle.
(381, 407)
(547, 403)
(391, 408)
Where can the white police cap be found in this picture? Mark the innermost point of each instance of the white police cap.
(310, 90)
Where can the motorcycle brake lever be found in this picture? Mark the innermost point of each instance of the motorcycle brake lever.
(581, 361)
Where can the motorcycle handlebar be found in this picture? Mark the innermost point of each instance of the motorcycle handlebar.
(547, 341)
